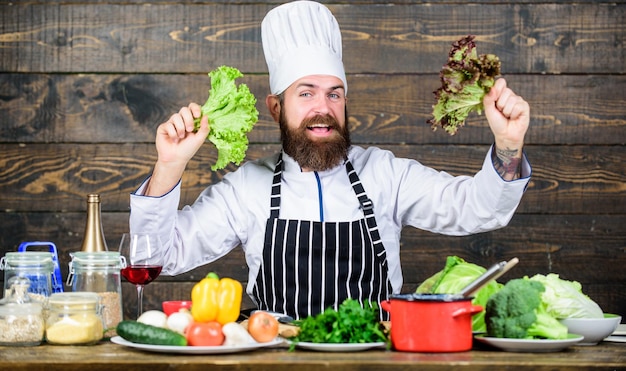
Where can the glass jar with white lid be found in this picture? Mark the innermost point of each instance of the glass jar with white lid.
(21, 318)
(99, 272)
(37, 267)
(74, 318)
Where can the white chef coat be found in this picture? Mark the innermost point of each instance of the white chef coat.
(404, 192)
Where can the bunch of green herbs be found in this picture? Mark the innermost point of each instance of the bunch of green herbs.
(350, 323)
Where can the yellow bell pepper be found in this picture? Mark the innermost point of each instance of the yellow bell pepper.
(215, 299)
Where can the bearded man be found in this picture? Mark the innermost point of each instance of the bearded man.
(320, 221)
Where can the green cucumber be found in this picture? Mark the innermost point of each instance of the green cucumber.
(141, 333)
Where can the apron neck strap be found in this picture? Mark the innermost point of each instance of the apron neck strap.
(275, 197)
(366, 204)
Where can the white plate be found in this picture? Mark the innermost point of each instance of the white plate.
(530, 345)
(338, 347)
(620, 330)
(219, 349)
(615, 339)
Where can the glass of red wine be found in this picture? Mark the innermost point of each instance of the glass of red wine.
(137, 250)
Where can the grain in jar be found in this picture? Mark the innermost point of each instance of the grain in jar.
(74, 318)
(21, 319)
(99, 272)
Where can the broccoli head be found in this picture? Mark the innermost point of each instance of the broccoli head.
(517, 311)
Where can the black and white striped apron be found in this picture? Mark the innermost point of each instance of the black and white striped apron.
(309, 266)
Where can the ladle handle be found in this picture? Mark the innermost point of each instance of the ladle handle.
(510, 264)
(482, 279)
(492, 273)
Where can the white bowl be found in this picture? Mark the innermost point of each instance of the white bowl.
(592, 329)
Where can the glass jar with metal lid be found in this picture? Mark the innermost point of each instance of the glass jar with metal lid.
(99, 272)
(37, 266)
(21, 318)
(74, 318)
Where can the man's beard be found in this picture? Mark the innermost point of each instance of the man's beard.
(320, 154)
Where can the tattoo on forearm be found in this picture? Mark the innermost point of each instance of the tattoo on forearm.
(507, 164)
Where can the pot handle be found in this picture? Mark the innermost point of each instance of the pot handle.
(386, 305)
(473, 309)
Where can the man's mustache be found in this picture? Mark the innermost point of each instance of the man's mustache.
(326, 120)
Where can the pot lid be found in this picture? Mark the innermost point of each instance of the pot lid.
(430, 297)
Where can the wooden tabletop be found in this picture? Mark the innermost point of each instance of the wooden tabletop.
(112, 357)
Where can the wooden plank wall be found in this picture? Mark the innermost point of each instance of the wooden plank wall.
(83, 85)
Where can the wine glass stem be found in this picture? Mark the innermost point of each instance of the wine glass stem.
(139, 300)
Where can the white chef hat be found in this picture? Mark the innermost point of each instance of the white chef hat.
(301, 38)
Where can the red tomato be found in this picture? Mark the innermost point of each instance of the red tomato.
(263, 326)
(204, 334)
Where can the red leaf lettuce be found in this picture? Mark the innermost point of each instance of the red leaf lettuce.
(465, 80)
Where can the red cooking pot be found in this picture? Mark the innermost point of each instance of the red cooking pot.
(431, 322)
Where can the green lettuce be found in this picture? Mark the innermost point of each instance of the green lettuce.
(565, 299)
(465, 80)
(453, 278)
(232, 113)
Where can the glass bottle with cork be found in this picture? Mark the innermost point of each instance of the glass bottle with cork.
(95, 269)
(93, 240)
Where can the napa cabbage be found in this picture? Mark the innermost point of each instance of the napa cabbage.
(457, 274)
(565, 299)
